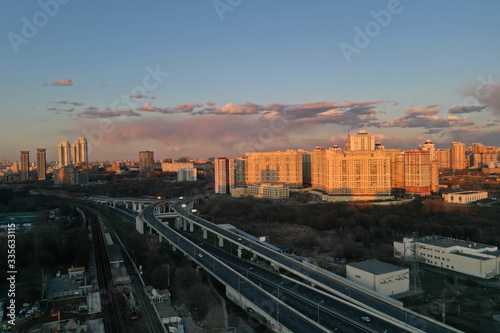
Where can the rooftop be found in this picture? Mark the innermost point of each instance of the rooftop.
(446, 242)
(376, 267)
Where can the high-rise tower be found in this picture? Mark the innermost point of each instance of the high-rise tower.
(146, 161)
(458, 161)
(80, 152)
(224, 175)
(41, 163)
(25, 165)
(64, 151)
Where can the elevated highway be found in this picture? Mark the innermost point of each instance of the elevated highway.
(327, 302)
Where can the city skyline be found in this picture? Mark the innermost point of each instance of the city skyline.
(201, 81)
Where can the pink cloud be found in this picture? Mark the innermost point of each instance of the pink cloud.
(62, 83)
(147, 107)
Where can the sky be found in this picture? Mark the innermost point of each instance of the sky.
(219, 78)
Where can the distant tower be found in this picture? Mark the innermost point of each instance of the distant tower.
(25, 165)
(41, 164)
(224, 175)
(80, 152)
(64, 150)
(347, 146)
(146, 161)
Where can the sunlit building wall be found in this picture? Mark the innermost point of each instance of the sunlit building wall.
(443, 158)
(274, 168)
(64, 152)
(174, 166)
(458, 161)
(417, 172)
(80, 151)
(352, 173)
(360, 141)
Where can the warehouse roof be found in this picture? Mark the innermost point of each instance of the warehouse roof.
(450, 242)
(376, 267)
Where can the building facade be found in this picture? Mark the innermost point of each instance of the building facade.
(361, 141)
(25, 164)
(146, 162)
(186, 175)
(384, 278)
(458, 160)
(265, 191)
(224, 175)
(464, 197)
(41, 163)
(471, 258)
(443, 158)
(64, 152)
(80, 152)
(362, 173)
(274, 168)
(175, 166)
(417, 172)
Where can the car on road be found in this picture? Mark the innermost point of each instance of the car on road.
(200, 255)
(366, 319)
(251, 269)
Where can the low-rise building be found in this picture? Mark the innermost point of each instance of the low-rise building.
(265, 191)
(384, 278)
(471, 258)
(464, 197)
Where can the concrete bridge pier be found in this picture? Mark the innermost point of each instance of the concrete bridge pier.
(184, 225)
(221, 241)
(159, 238)
(174, 248)
(191, 227)
(134, 207)
(239, 251)
(205, 233)
(139, 224)
(126, 205)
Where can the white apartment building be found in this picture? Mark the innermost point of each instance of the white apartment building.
(464, 197)
(475, 259)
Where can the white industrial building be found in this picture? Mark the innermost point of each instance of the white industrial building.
(384, 278)
(476, 259)
(464, 197)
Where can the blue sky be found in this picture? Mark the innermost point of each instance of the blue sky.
(219, 78)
